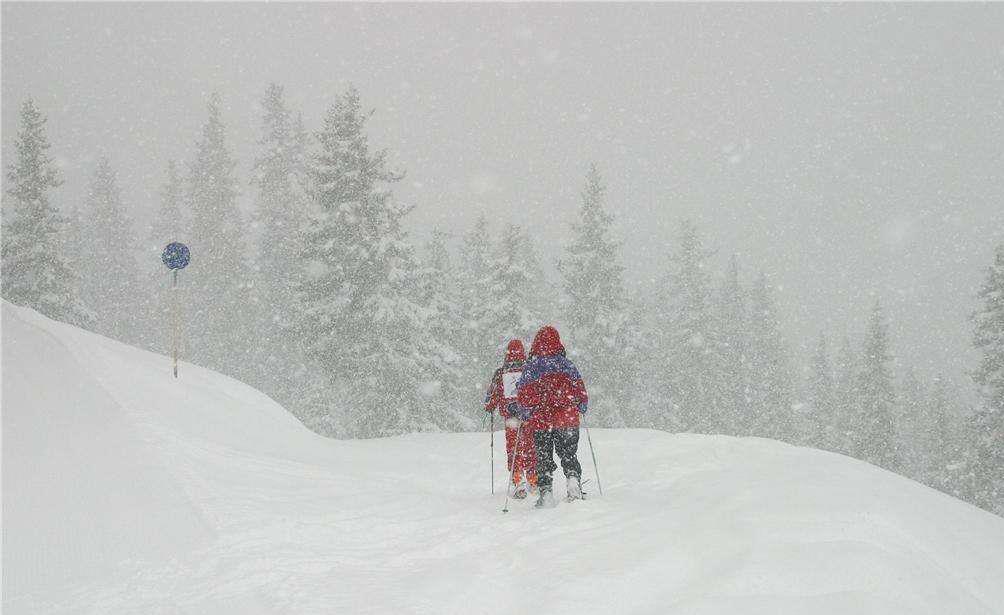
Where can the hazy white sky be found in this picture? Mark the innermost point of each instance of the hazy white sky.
(850, 151)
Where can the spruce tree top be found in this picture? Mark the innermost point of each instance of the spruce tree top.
(345, 170)
(32, 173)
(988, 335)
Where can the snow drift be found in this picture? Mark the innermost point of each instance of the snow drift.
(126, 491)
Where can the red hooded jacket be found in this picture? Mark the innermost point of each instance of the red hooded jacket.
(550, 393)
(502, 391)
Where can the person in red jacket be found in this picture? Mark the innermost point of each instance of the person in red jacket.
(502, 396)
(550, 397)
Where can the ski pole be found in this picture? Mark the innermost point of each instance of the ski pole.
(491, 433)
(512, 467)
(176, 324)
(592, 452)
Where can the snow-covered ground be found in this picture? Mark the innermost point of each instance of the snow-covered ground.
(126, 491)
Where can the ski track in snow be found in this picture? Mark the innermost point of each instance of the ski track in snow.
(203, 496)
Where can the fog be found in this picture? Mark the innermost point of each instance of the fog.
(848, 151)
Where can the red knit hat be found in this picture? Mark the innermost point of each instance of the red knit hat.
(514, 352)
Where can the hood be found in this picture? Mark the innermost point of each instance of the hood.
(514, 352)
(546, 343)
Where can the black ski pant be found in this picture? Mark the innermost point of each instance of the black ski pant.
(565, 442)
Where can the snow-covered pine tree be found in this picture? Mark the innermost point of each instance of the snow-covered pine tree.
(876, 442)
(947, 443)
(932, 435)
(685, 328)
(733, 390)
(822, 427)
(109, 276)
(596, 305)
(168, 224)
(358, 314)
(914, 427)
(942, 447)
(218, 278)
(480, 357)
(280, 213)
(445, 405)
(515, 285)
(988, 423)
(846, 405)
(646, 407)
(770, 380)
(36, 271)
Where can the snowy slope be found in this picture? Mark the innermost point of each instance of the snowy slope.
(125, 491)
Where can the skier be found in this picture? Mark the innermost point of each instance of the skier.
(502, 395)
(550, 398)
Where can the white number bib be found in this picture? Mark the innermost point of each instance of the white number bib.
(509, 381)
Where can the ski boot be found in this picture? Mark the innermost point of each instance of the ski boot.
(574, 489)
(545, 499)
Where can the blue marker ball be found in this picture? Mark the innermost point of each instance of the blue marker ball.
(176, 255)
